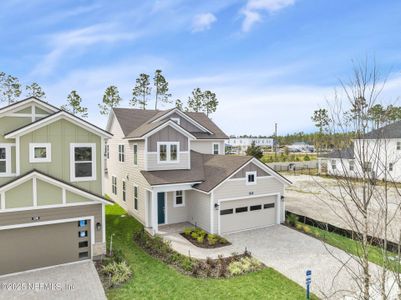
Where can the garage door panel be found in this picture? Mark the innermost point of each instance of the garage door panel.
(40, 246)
(260, 212)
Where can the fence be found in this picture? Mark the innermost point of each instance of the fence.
(309, 168)
(391, 246)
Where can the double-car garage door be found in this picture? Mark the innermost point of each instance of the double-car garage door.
(247, 214)
(44, 245)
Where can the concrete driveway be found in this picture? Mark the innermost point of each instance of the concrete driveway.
(73, 281)
(292, 253)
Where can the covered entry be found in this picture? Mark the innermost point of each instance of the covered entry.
(44, 245)
(238, 215)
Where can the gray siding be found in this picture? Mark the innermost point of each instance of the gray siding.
(167, 134)
(249, 168)
(199, 209)
(206, 147)
(185, 124)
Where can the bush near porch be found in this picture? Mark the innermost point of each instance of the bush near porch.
(154, 279)
(201, 238)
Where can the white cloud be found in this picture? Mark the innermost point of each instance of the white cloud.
(203, 22)
(253, 9)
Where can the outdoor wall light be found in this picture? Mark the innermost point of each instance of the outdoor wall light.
(282, 197)
(98, 226)
(216, 206)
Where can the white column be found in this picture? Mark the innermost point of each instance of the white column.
(154, 221)
(278, 209)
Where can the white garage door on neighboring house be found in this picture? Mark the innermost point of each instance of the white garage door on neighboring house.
(238, 215)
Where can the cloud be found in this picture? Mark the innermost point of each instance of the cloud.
(253, 10)
(203, 22)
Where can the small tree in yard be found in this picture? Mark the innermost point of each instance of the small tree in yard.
(74, 105)
(364, 206)
(141, 91)
(111, 98)
(35, 90)
(254, 151)
(10, 88)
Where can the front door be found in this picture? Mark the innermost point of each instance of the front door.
(161, 204)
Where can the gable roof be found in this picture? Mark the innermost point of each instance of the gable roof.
(61, 114)
(135, 122)
(347, 153)
(22, 102)
(390, 131)
(46, 177)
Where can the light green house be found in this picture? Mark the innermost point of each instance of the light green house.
(51, 187)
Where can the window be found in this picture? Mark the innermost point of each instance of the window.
(83, 244)
(390, 167)
(135, 154)
(333, 164)
(114, 185)
(177, 120)
(398, 145)
(241, 209)
(226, 212)
(83, 255)
(251, 177)
(107, 151)
(121, 155)
(367, 166)
(216, 148)
(39, 153)
(167, 152)
(3, 160)
(255, 207)
(124, 191)
(82, 223)
(83, 233)
(351, 165)
(179, 199)
(83, 162)
(136, 197)
(268, 205)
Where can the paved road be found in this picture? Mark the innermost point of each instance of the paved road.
(68, 282)
(292, 253)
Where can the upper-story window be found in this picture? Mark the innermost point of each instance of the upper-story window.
(167, 151)
(40, 152)
(135, 154)
(177, 120)
(83, 162)
(3, 160)
(250, 177)
(121, 154)
(216, 148)
(398, 145)
(333, 164)
(107, 151)
(351, 165)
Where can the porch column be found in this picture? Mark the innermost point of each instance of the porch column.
(278, 209)
(154, 221)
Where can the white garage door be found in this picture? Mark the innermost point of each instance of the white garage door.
(247, 214)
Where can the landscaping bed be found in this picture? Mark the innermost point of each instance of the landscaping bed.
(202, 239)
(222, 267)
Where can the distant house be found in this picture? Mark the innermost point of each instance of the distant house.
(240, 144)
(301, 147)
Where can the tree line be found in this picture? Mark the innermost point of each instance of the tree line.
(145, 89)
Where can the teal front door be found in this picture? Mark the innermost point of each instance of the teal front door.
(161, 203)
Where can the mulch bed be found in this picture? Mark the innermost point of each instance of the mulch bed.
(205, 243)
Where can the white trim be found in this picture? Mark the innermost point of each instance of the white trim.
(168, 153)
(163, 125)
(17, 156)
(212, 213)
(55, 117)
(175, 186)
(8, 159)
(175, 198)
(247, 197)
(255, 176)
(33, 112)
(218, 148)
(33, 159)
(26, 103)
(3, 201)
(244, 178)
(34, 192)
(102, 162)
(63, 196)
(73, 162)
(103, 224)
(177, 120)
(145, 155)
(17, 115)
(8, 210)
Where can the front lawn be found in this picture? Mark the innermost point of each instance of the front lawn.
(153, 279)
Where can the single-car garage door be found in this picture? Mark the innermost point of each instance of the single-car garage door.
(42, 246)
(246, 214)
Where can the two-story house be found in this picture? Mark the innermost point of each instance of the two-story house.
(51, 186)
(167, 167)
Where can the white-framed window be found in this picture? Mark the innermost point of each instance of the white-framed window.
(40, 152)
(351, 165)
(107, 151)
(216, 148)
(333, 164)
(398, 145)
(367, 166)
(250, 177)
(121, 154)
(167, 152)
(177, 120)
(135, 146)
(390, 167)
(4, 159)
(124, 191)
(114, 185)
(136, 197)
(82, 161)
(179, 198)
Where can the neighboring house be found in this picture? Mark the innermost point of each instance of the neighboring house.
(240, 144)
(378, 153)
(51, 171)
(300, 147)
(167, 167)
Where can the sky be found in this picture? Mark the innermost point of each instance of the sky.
(268, 61)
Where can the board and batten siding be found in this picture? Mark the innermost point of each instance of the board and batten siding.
(184, 123)
(126, 171)
(60, 135)
(251, 167)
(206, 147)
(167, 134)
(51, 214)
(198, 209)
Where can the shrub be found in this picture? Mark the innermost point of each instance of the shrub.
(306, 157)
(194, 235)
(244, 265)
(222, 240)
(212, 239)
(117, 272)
(306, 229)
(200, 239)
(186, 263)
(299, 226)
(292, 219)
(188, 230)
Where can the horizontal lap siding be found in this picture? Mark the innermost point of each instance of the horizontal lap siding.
(25, 217)
(176, 214)
(206, 147)
(199, 209)
(183, 163)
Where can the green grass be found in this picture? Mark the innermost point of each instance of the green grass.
(153, 279)
(351, 246)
